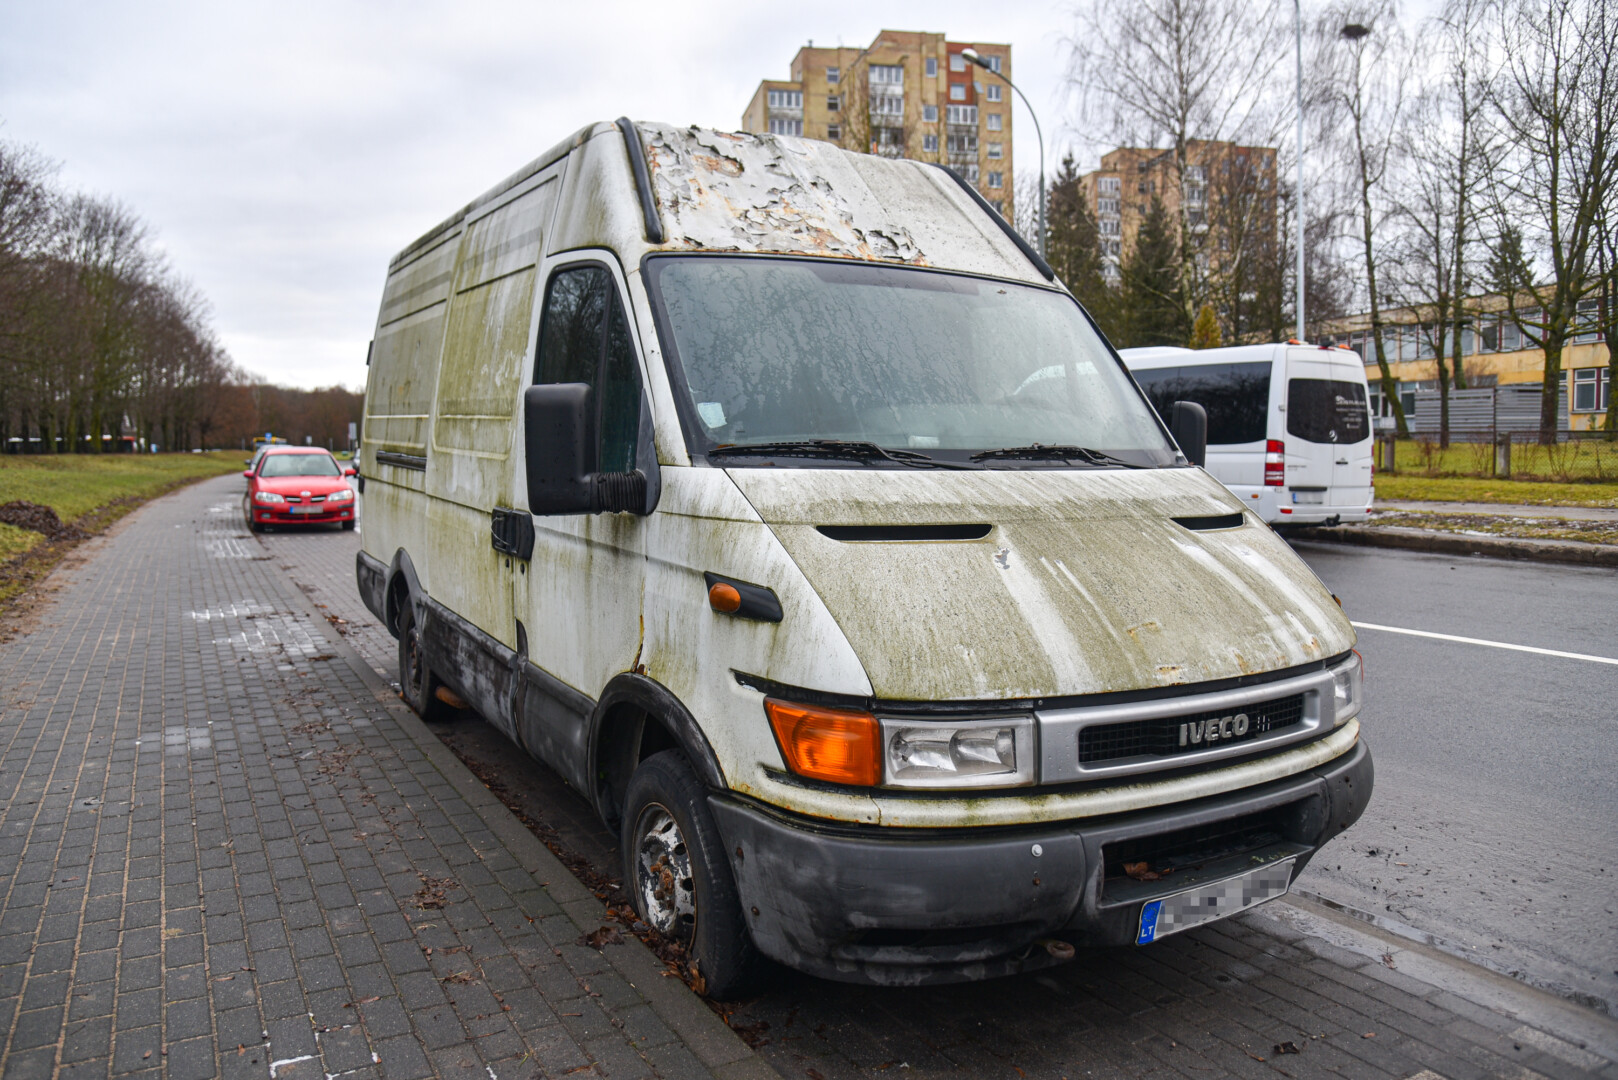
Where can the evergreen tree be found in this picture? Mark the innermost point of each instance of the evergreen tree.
(1151, 299)
(1073, 247)
(1205, 331)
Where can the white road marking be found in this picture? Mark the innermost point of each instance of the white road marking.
(1490, 644)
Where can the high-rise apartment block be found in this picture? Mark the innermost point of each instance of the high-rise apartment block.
(1228, 195)
(908, 94)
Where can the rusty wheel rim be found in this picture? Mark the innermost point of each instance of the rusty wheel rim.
(663, 878)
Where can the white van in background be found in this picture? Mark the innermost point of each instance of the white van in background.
(1289, 428)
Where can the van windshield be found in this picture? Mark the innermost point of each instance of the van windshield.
(779, 350)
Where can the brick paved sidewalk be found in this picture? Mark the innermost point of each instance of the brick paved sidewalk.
(226, 850)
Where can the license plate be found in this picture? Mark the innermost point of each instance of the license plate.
(1205, 903)
(320, 509)
(1316, 497)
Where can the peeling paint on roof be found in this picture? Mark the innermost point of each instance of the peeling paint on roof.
(729, 191)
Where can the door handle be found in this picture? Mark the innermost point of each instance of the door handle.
(511, 532)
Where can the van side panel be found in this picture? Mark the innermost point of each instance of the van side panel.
(489, 330)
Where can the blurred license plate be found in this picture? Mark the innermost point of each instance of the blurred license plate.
(1205, 903)
(319, 509)
(1309, 496)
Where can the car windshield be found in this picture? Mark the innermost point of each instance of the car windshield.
(781, 350)
(299, 465)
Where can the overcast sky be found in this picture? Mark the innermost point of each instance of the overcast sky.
(283, 153)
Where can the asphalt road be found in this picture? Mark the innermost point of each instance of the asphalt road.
(1495, 820)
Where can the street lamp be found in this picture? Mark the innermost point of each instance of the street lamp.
(972, 55)
(1297, 21)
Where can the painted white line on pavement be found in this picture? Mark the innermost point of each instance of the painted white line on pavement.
(1491, 644)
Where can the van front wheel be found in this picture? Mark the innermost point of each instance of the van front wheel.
(678, 876)
(417, 683)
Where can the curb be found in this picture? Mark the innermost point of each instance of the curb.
(701, 1030)
(1570, 552)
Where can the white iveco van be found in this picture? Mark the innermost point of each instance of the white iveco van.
(781, 501)
(1289, 428)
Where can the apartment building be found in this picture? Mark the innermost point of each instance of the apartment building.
(908, 94)
(1228, 194)
(1494, 353)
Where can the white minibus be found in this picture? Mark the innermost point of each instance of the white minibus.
(1289, 428)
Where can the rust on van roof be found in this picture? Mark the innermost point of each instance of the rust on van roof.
(737, 192)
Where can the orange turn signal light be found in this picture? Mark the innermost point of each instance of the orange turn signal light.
(726, 598)
(837, 745)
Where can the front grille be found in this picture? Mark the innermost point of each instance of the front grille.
(1161, 736)
(1186, 849)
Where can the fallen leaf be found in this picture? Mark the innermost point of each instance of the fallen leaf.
(606, 935)
(1287, 1048)
(1369, 1035)
(146, 1055)
(240, 1049)
(224, 978)
(1140, 871)
(459, 977)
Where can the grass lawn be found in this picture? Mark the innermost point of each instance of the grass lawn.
(1405, 486)
(15, 541)
(75, 484)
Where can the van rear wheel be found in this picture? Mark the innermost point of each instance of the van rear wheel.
(679, 879)
(417, 683)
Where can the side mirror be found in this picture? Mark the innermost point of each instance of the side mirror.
(248, 473)
(351, 471)
(247, 461)
(1188, 423)
(559, 436)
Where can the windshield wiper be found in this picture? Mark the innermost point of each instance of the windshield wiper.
(1037, 452)
(838, 449)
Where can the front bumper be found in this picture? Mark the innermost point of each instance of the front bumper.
(913, 906)
(272, 514)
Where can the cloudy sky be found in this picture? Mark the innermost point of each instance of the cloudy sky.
(282, 153)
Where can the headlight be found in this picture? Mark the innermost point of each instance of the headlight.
(267, 497)
(340, 496)
(1348, 689)
(971, 753)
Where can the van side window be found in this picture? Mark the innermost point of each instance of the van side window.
(584, 338)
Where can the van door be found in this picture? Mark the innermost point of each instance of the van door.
(1312, 428)
(580, 600)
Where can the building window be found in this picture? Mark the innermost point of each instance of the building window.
(1195, 174)
(961, 114)
(963, 144)
(1109, 227)
(833, 74)
(995, 151)
(887, 74)
(971, 172)
(786, 127)
(929, 144)
(834, 131)
(957, 62)
(786, 99)
(994, 121)
(993, 92)
(957, 91)
(995, 179)
(1110, 185)
(1144, 187)
(999, 206)
(887, 105)
(932, 67)
(1585, 322)
(929, 113)
(1592, 388)
(1106, 206)
(994, 63)
(833, 103)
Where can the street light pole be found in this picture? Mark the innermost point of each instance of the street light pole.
(972, 55)
(1297, 19)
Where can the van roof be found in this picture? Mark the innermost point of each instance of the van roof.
(1169, 356)
(731, 191)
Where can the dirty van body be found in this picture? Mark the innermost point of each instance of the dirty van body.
(782, 501)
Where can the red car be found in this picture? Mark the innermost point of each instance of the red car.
(298, 485)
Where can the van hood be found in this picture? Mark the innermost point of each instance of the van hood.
(1084, 583)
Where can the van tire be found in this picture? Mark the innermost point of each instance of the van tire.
(667, 826)
(417, 683)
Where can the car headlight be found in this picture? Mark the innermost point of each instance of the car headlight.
(1348, 689)
(340, 496)
(970, 753)
(267, 497)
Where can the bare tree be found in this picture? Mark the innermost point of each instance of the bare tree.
(1156, 72)
(1555, 111)
(1451, 152)
(1362, 61)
